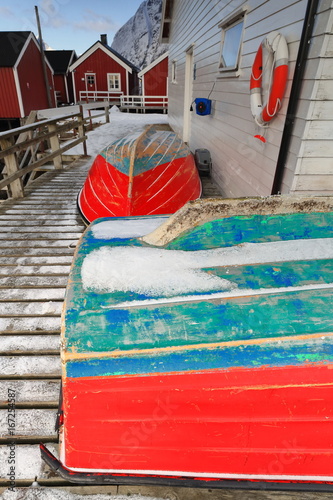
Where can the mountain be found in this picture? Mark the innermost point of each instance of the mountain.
(137, 40)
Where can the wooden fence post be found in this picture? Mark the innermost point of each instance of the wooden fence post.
(107, 115)
(55, 146)
(11, 165)
(81, 130)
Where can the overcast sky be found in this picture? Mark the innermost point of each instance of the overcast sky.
(68, 24)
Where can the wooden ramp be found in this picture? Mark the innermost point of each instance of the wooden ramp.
(37, 241)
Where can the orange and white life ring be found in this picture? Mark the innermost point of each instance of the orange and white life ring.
(276, 44)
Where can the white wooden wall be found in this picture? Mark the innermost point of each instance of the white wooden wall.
(310, 162)
(242, 165)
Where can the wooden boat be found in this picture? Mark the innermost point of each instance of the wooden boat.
(141, 174)
(201, 354)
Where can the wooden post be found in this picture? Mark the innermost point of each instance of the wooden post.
(107, 115)
(55, 146)
(81, 130)
(12, 167)
(42, 55)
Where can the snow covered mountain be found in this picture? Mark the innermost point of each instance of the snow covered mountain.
(137, 40)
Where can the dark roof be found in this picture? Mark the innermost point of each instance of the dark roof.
(60, 60)
(11, 45)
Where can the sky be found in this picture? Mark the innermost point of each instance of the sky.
(68, 24)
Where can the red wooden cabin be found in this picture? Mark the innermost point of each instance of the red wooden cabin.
(22, 86)
(60, 60)
(155, 82)
(101, 73)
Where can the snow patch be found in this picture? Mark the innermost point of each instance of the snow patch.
(154, 272)
(148, 271)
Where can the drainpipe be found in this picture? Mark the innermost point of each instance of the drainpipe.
(303, 51)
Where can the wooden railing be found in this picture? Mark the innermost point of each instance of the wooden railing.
(20, 148)
(84, 108)
(100, 95)
(142, 102)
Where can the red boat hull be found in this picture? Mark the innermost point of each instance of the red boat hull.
(115, 187)
(259, 424)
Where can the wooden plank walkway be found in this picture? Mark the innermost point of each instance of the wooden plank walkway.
(37, 241)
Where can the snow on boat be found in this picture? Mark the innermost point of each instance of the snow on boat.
(141, 174)
(201, 353)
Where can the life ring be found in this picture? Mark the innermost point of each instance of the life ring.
(276, 44)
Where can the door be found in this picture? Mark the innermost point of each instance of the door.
(188, 92)
(90, 79)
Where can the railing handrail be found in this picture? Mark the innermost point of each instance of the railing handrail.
(27, 128)
(44, 129)
(144, 100)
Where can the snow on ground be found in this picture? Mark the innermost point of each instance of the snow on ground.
(121, 124)
(57, 494)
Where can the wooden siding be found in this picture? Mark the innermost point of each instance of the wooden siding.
(242, 165)
(59, 86)
(9, 106)
(101, 64)
(30, 73)
(309, 168)
(155, 80)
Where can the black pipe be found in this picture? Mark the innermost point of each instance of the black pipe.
(302, 55)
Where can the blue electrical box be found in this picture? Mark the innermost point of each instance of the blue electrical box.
(203, 106)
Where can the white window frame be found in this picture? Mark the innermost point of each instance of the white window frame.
(87, 75)
(228, 23)
(174, 71)
(111, 88)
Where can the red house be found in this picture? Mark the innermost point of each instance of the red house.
(155, 82)
(101, 73)
(60, 61)
(22, 86)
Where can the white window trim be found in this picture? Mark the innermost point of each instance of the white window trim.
(174, 71)
(228, 22)
(86, 78)
(119, 78)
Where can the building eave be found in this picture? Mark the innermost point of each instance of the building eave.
(93, 48)
(166, 21)
(154, 63)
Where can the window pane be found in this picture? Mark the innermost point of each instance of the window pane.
(230, 50)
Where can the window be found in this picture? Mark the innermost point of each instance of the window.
(114, 81)
(174, 72)
(232, 33)
(90, 79)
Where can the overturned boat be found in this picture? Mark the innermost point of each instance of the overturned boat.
(197, 350)
(146, 173)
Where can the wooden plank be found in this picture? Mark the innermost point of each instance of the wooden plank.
(30, 325)
(32, 422)
(29, 392)
(12, 309)
(23, 270)
(314, 183)
(28, 464)
(42, 294)
(34, 281)
(30, 261)
(30, 367)
(18, 253)
(40, 344)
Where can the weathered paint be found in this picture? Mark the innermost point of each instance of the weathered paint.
(9, 105)
(151, 173)
(226, 385)
(264, 421)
